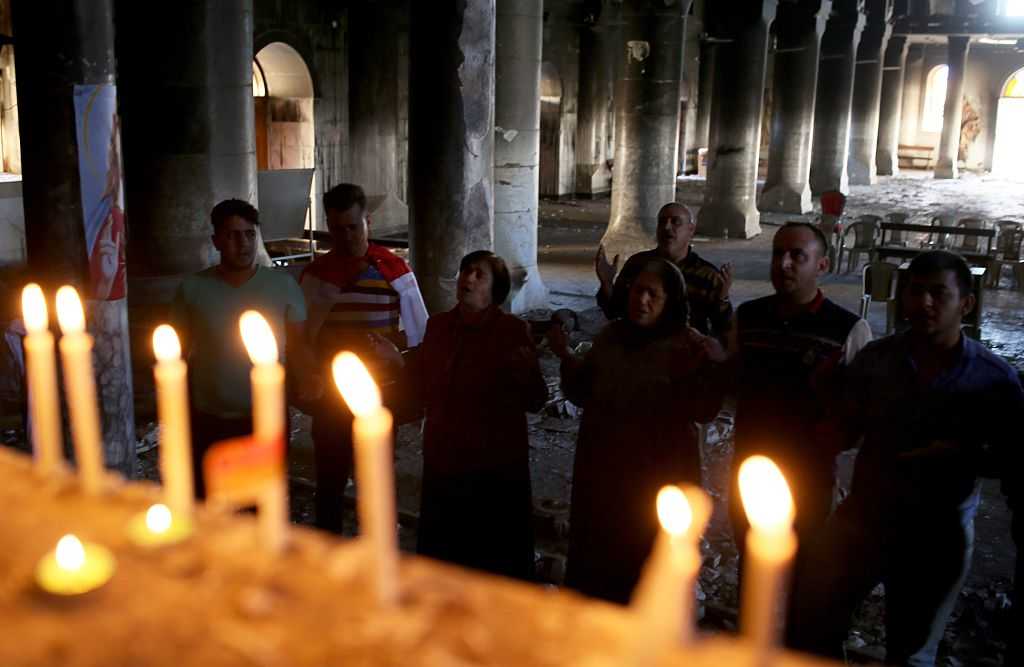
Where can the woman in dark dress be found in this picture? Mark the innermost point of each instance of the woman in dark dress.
(478, 375)
(643, 386)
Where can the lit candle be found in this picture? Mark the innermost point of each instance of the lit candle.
(268, 406)
(74, 567)
(80, 385)
(159, 526)
(663, 602)
(172, 408)
(771, 546)
(371, 434)
(41, 367)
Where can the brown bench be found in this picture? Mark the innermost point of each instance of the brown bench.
(886, 248)
(916, 157)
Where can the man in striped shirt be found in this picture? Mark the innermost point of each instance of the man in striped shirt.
(357, 289)
(707, 286)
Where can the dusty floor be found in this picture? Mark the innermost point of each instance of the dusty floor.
(569, 234)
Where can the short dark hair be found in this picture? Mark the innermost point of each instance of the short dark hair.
(818, 234)
(936, 261)
(230, 208)
(344, 196)
(502, 280)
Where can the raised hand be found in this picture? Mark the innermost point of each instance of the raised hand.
(384, 349)
(727, 276)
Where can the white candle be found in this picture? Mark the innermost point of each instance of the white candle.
(371, 434)
(41, 367)
(771, 546)
(80, 385)
(268, 406)
(170, 373)
(663, 602)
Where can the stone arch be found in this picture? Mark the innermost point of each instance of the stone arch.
(934, 99)
(297, 44)
(1007, 159)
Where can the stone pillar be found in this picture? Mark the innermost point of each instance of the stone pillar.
(867, 93)
(593, 177)
(73, 191)
(702, 130)
(830, 146)
(189, 131)
(798, 30)
(949, 142)
(690, 93)
(519, 32)
(891, 111)
(451, 140)
(737, 106)
(373, 113)
(649, 70)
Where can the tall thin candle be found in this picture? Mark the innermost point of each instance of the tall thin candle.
(80, 385)
(41, 367)
(371, 432)
(171, 378)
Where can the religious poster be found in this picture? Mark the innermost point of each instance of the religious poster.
(99, 166)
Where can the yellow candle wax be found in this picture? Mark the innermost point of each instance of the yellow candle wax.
(267, 379)
(171, 377)
(371, 433)
(663, 602)
(41, 371)
(771, 546)
(80, 385)
(159, 526)
(75, 567)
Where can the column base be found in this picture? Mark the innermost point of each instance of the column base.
(725, 221)
(862, 174)
(593, 180)
(625, 244)
(785, 198)
(528, 290)
(888, 164)
(947, 170)
(388, 214)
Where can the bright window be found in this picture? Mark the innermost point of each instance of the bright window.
(935, 99)
(1015, 7)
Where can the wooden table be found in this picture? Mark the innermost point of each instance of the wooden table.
(884, 248)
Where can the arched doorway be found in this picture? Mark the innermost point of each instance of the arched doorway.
(933, 110)
(550, 129)
(283, 98)
(1008, 158)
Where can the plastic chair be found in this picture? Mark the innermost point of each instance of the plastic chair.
(865, 238)
(879, 285)
(967, 243)
(1009, 239)
(896, 237)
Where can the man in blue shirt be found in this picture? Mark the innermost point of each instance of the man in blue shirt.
(936, 411)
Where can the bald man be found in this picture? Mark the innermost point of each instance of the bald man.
(707, 286)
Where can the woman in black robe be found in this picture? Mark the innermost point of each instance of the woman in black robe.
(643, 386)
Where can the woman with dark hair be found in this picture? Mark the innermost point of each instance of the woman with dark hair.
(477, 374)
(643, 386)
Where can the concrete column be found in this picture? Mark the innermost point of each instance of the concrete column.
(189, 131)
(593, 177)
(690, 94)
(650, 63)
(63, 45)
(830, 146)
(949, 142)
(867, 93)
(891, 111)
(736, 109)
(451, 140)
(702, 131)
(519, 32)
(798, 30)
(373, 113)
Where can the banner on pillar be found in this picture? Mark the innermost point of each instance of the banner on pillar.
(99, 167)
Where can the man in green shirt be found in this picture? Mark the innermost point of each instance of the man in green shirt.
(205, 313)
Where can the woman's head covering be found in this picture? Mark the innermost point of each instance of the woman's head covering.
(676, 314)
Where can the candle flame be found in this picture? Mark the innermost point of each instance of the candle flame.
(69, 311)
(258, 338)
(33, 308)
(165, 343)
(70, 553)
(158, 518)
(674, 511)
(766, 495)
(355, 384)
